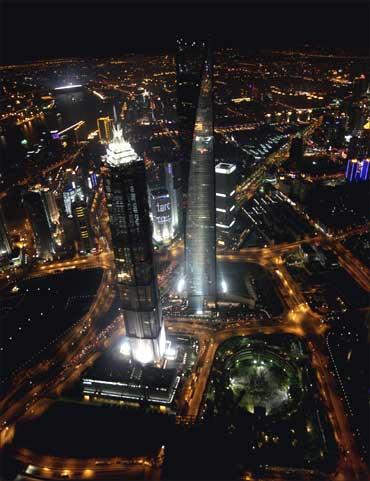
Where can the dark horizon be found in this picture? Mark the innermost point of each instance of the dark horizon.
(36, 30)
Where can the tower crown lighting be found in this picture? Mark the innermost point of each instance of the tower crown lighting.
(119, 151)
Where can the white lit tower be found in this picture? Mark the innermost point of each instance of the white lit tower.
(126, 192)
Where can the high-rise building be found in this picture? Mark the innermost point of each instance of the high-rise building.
(160, 204)
(190, 58)
(5, 249)
(200, 238)
(174, 189)
(105, 129)
(353, 147)
(144, 110)
(225, 195)
(39, 217)
(359, 87)
(70, 194)
(50, 205)
(296, 150)
(357, 170)
(83, 228)
(127, 202)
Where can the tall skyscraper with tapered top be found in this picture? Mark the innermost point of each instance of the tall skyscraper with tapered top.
(40, 219)
(200, 238)
(190, 57)
(127, 201)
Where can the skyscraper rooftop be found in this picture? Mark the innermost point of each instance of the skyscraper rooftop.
(119, 151)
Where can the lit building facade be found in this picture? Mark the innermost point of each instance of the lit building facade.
(127, 202)
(161, 210)
(225, 195)
(83, 228)
(71, 192)
(200, 238)
(50, 204)
(173, 187)
(105, 129)
(358, 170)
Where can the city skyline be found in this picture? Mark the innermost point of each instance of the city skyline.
(184, 243)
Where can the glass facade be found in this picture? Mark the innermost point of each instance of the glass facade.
(130, 224)
(200, 239)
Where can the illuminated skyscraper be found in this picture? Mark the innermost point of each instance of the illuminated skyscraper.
(127, 202)
(50, 205)
(173, 186)
(105, 128)
(161, 208)
(225, 196)
(72, 189)
(357, 170)
(83, 227)
(200, 239)
(39, 218)
(190, 57)
(5, 249)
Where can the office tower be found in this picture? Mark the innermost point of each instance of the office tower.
(336, 130)
(127, 202)
(160, 204)
(71, 191)
(225, 196)
(83, 228)
(296, 150)
(173, 187)
(353, 147)
(357, 170)
(355, 118)
(190, 58)
(359, 87)
(200, 239)
(50, 204)
(5, 249)
(144, 107)
(92, 180)
(105, 129)
(40, 221)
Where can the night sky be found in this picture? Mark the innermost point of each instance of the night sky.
(43, 30)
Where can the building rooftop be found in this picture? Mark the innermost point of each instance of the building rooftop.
(114, 377)
(224, 168)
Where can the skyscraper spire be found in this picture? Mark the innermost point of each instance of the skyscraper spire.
(115, 118)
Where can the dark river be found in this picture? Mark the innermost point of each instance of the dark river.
(69, 108)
